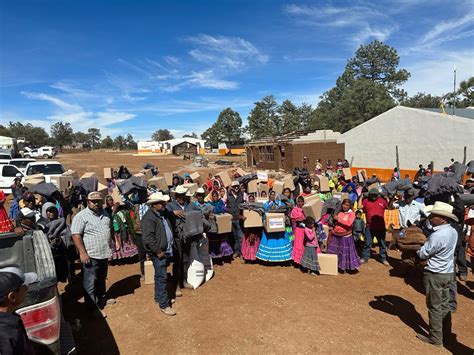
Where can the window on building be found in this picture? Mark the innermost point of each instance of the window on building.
(266, 153)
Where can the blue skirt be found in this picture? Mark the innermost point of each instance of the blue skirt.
(274, 247)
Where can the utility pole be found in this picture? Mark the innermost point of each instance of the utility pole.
(454, 93)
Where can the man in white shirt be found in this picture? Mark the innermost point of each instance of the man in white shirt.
(409, 209)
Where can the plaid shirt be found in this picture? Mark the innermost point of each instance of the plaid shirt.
(95, 231)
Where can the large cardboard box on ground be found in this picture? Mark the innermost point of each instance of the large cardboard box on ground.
(328, 264)
(88, 175)
(224, 223)
(149, 273)
(159, 182)
(313, 208)
(192, 187)
(108, 173)
(168, 179)
(323, 183)
(225, 178)
(148, 174)
(347, 173)
(61, 182)
(72, 173)
(196, 177)
(289, 182)
(278, 187)
(253, 219)
(252, 186)
(275, 222)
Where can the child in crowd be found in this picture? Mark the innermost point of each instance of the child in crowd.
(309, 260)
(358, 228)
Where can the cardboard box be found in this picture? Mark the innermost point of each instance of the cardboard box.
(61, 182)
(196, 177)
(253, 219)
(241, 172)
(278, 187)
(375, 185)
(32, 182)
(262, 187)
(35, 177)
(71, 173)
(224, 223)
(225, 178)
(275, 222)
(311, 197)
(88, 175)
(192, 187)
(149, 273)
(262, 176)
(340, 195)
(323, 183)
(168, 179)
(159, 182)
(116, 195)
(148, 173)
(108, 173)
(328, 264)
(102, 189)
(347, 173)
(252, 186)
(313, 208)
(289, 182)
(362, 175)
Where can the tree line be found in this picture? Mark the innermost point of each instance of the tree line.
(370, 85)
(63, 135)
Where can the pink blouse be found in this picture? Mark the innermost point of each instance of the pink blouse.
(344, 223)
(310, 238)
(297, 215)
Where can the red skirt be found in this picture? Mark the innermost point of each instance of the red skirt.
(298, 245)
(6, 225)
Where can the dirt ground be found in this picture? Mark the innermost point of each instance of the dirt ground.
(252, 308)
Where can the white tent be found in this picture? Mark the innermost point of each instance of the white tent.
(421, 136)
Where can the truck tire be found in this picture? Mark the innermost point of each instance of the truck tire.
(45, 156)
(27, 156)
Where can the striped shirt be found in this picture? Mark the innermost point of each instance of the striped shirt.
(95, 232)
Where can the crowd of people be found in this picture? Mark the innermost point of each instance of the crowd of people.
(171, 227)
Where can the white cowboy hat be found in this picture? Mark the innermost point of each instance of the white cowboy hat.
(427, 210)
(200, 191)
(443, 209)
(157, 197)
(180, 190)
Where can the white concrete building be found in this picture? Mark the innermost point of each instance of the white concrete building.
(421, 136)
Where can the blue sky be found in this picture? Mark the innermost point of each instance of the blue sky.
(137, 66)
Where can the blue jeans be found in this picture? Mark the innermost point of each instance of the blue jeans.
(380, 235)
(94, 275)
(161, 278)
(237, 236)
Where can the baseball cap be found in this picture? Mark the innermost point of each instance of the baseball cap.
(94, 196)
(11, 278)
(235, 183)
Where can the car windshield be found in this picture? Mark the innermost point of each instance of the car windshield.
(20, 163)
(46, 169)
(5, 156)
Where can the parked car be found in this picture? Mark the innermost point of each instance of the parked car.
(43, 152)
(41, 311)
(48, 169)
(8, 173)
(21, 163)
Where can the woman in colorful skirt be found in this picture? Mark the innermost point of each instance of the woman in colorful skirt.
(342, 242)
(219, 246)
(274, 247)
(6, 225)
(251, 240)
(298, 217)
(124, 234)
(309, 260)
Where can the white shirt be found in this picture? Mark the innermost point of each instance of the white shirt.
(409, 212)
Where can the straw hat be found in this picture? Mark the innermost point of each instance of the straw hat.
(157, 197)
(180, 190)
(443, 209)
(200, 191)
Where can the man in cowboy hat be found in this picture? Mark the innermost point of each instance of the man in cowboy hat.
(374, 208)
(158, 243)
(439, 272)
(90, 231)
(182, 242)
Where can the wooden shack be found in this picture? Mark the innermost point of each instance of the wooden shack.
(287, 151)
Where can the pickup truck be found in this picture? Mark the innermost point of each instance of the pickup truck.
(21, 163)
(41, 311)
(43, 152)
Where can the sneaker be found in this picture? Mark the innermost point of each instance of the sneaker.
(178, 293)
(427, 340)
(462, 277)
(168, 311)
(385, 262)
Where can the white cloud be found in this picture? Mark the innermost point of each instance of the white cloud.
(54, 100)
(369, 32)
(448, 27)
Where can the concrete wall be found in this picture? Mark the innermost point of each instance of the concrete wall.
(421, 136)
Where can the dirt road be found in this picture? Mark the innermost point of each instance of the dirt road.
(251, 308)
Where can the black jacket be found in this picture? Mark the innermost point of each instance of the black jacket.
(233, 203)
(153, 233)
(13, 338)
